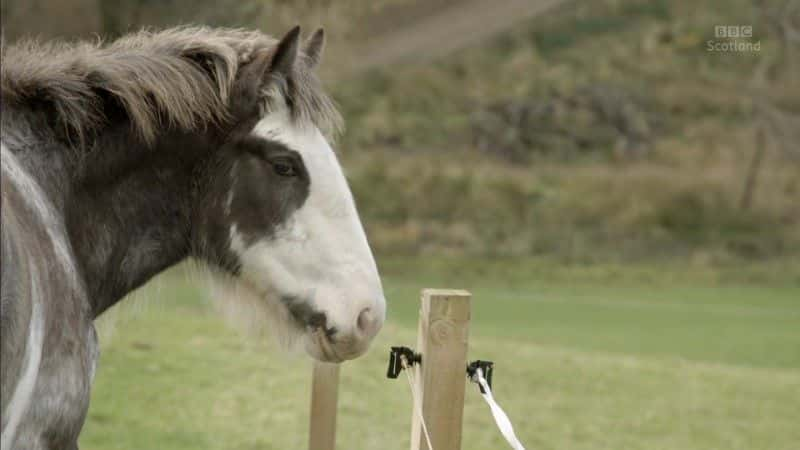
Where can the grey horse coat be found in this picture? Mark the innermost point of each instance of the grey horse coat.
(49, 347)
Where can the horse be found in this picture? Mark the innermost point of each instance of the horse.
(123, 158)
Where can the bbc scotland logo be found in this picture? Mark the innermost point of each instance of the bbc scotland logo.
(732, 39)
(733, 31)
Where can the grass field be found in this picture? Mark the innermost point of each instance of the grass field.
(593, 358)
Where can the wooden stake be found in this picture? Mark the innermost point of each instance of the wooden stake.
(324, 396)
(441, 377)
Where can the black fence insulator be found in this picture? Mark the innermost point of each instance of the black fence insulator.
(395, 360)
(487, 367)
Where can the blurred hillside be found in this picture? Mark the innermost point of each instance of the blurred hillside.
(581, 132)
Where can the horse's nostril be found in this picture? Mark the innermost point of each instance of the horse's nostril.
(366, 322)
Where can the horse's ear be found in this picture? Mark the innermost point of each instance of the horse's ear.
(251, 75)
(285, 55)
(314, 47)
(247, 93)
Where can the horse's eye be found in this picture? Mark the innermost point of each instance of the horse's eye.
(284, 168)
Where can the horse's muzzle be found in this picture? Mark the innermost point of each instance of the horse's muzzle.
(334, 343)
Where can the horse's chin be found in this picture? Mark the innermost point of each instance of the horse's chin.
(257, 315)
(319, 346)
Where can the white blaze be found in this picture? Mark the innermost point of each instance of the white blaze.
(320, 252)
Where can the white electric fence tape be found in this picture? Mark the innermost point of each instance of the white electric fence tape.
(417, 399)
(500, 417)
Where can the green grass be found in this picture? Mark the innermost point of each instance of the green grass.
(592, 358)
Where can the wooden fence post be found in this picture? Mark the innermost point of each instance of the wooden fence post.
(441, 377)
(324, 396)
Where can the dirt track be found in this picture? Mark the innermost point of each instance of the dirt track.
(448, 29)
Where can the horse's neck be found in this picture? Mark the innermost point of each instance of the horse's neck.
(130, 214)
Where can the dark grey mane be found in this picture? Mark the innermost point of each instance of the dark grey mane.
(179, 77)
